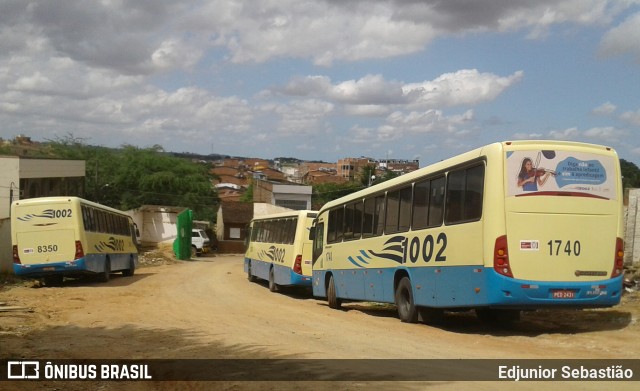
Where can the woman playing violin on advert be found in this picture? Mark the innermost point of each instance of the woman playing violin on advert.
(530, 177)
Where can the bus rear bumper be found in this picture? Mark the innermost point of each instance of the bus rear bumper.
(48, 269)
(508, 292)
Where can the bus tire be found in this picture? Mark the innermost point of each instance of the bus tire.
(407, 311)
(105, 275)
(332, 299)
(131, 270)
(250, 276)
(273, 287)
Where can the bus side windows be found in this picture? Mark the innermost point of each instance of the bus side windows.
(421, 204)
(398, 216)
(348, 221)
(293, 223)
(367, 220)
(318, 242)
(464, 195)
(331, 234)
(357, 219)
(436, 202)
(339, 224)
(378, 217)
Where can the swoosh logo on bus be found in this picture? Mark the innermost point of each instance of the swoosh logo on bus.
(102, 246)
(47, 214)
(271, 254)
(392, 250)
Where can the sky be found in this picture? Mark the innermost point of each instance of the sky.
(321, 79)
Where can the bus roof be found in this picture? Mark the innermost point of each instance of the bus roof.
(293, 213)
(460, 159)
(48, 200)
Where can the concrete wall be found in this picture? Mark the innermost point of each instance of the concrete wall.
(155, 226)
(9, 179)
(632, 230)
(6, 256)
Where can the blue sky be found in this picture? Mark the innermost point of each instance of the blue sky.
(322, 79)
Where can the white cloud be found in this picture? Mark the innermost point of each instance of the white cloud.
(623, 39)
(303, 117)
(464, 87)
(601, 135)
(607, 108)
(329, 31)
(632, 117)
(566, 134)
(120, 72)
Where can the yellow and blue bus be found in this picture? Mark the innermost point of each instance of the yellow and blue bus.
(507, 227)
(279, 249)
(57, 237)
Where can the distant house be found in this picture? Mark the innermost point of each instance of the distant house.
(287, 195)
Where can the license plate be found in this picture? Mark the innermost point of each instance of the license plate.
(563, 294)
(48, 269)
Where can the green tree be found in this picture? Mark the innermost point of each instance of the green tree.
(130, 177)
(147, 176)
(630, 174)
(247, 196)
(325, 192)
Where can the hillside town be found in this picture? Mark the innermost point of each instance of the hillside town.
(273, 185)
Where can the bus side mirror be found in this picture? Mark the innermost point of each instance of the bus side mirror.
(312, 233)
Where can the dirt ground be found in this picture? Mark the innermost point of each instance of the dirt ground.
(206, 309)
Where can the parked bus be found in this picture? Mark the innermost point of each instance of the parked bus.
(57, 237)
(507, 227)
(279, 249)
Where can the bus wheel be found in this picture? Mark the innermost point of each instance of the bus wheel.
(104, 276)
(332, 299)
(250, 276)
(431, 315)
(407, 311)
(132, 269)
(273, 287)
(53, 280)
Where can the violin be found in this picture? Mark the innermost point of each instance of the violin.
(543, 171)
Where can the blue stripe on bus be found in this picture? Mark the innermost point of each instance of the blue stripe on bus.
(91, 263)
(282, 275)
(354, 262)
(467, 286)
(42, 269)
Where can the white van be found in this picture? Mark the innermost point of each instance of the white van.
(200, 243)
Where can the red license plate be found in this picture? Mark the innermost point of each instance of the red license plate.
(563, 294)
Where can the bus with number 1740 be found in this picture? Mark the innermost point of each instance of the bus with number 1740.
(57, 237)
(507, 227)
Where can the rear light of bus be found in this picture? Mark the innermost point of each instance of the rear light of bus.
(618, 262)
(297, 265)
(16, 257)
(79, 250)
(501, 257)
